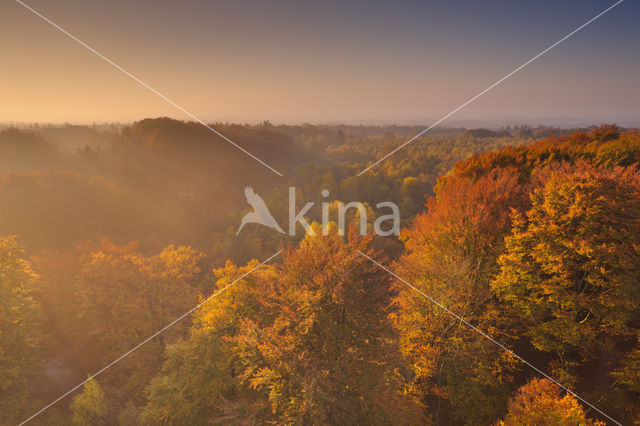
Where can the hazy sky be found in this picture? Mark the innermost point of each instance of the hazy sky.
(293, 61)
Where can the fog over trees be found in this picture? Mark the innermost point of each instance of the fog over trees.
(109, 233)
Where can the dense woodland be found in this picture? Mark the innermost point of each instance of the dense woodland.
(108, 233)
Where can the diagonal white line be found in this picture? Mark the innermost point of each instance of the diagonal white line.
(127, 73)
(486, 336)
(492, 86)
(181, 317)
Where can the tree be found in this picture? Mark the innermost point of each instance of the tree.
(540, 402)
(115, 298)
(328, 355)
(19, 330)
(199, 380)
(451, 253)
(626, 395)
(572, 265)
(311, 342)
(89, 408)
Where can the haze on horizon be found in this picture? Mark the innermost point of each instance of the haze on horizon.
(405, 62)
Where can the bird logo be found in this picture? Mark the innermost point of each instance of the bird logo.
(260, 213)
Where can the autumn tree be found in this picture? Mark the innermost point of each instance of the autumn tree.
(626, 395)
(19, 330)
(89, 408)
(540, 402)
(107, 298)
(451, 253)
(328, 356)
(199, 380)
(572, 265)
(316, 347)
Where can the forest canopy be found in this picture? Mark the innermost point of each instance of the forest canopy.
(530, 235)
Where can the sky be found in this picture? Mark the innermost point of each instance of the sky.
(320, 62)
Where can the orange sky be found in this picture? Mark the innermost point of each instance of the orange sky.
(286, 62)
